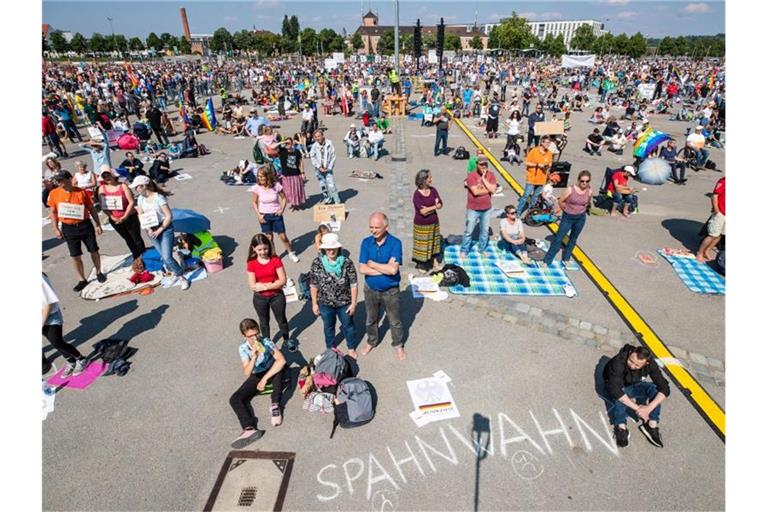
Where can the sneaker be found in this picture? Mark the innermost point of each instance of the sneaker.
(248, 436)
(80, 366)
(79, 286)
(74, 369)
(622, 436)
(184, 283)
(652, 434)
(293, 257)
(277, 418)
(291, 344)
(101, 278)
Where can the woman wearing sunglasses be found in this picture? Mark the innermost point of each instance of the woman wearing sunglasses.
(117, 202)
(574, 203)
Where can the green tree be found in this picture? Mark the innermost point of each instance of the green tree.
(554, 46)
(386, 44)
(185, 47)
(429, 41)
(583, 39)
(328, 42)
(286, 28)
(46, 48)
(78, 44)
(221, 40)
(476, 43)
(167, 39)
(680, 46)
(154, 42)
(118, 42)
(295, 28)
(493, 38)
(406, 43)
(637, 46)
(515, 34)
(58, 42)
(243, 40)
(603, 43)
(266, 43)
(135, 44)
(287, 45)
(621, 44)
(666, 46)
(453, 42)
(310, 44)
(357, 41)
(98, 43)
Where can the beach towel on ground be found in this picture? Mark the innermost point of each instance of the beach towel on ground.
(698, 277)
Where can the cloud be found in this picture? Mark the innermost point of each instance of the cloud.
(541, 16)
(699, 8)
(617, 2)
(627, 14)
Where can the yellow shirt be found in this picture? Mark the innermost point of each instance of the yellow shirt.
(537, 175)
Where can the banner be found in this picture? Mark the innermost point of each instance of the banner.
(331, 64)
(432, 57)
(575, 61)
(338, 57)
(646, 90)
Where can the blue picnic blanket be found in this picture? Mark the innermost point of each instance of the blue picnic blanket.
(698, 277)
(488, 279)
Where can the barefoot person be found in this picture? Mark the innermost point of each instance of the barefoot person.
(381, 255)
(262, 363)
(715, 224)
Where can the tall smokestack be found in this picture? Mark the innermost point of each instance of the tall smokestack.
(185, 24)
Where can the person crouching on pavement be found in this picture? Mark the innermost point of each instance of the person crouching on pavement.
(627, 389)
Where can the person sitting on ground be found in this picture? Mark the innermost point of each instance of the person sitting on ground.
(627, 387)
(133, 165)
(352, 141)
(375, 142)
(513, 235)
(696, 142)
(262, 364)
(383, 123)
(160, 171)
(322, 229)
(621, 192)
(594, 142)
(671, 155)
(244, 172)
(617, 142)
(548, 193)
(598, 117)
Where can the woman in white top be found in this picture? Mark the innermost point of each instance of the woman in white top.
(156, 218)
(84, 178)
(513, 132)
(513, 235)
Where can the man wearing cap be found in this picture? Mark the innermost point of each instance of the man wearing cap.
(696, 142)
(352, 141)
(538, 163)
(323, 156)
(381, 255)
(623, 195)
(74, 209)
(442, 124)
(480, 185)
(254, 122)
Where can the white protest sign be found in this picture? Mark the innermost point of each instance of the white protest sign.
(71, 211)
(338, 57)
(149, 219)
(111, 203)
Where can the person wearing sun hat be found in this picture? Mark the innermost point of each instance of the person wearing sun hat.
(623, 195)
(333, 288)
(696, 142)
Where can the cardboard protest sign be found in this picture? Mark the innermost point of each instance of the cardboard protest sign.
(329, 212)
(556, 127)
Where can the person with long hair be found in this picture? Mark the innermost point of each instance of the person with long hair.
(292, 165)
(262, 364)
(117, 202)
(269, 203)
(156, 218)
(574, 202)
(427, 241)
(266, 278)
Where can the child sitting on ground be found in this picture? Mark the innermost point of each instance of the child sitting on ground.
(548, 193)
(322, 229)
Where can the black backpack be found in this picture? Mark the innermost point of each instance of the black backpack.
(452, 275)
(461, 153)
(356, 404)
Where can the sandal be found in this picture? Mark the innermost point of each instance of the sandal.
(277, 418)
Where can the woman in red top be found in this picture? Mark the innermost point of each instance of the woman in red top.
(117, 202)
(266, 277)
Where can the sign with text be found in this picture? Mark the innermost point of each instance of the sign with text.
(329, 213)
(549, 128)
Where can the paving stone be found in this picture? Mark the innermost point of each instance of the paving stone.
(588, 335)
(599, 329)
(510, 318)
(472, 300)
(547, 322)
(522, 307)
(591, 343)
(698, 358)
(715, 363)
(574, 322)
(706, 379)
(678, 352)
(616, 343)
(585, 325)
(535, 312)
(718, 375)
(494, 314)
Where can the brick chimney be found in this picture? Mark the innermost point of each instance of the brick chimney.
(185, 24)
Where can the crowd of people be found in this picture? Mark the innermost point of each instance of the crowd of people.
(103, 98)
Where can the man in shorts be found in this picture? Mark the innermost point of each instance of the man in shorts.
(74, 209)
(715, 224)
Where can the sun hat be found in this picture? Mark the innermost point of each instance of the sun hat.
(554, 177)
(330, 241)
(139, 180)
(629, 169)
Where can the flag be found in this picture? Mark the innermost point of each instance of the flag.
(209, 116)
(131, 75)
(185, 121)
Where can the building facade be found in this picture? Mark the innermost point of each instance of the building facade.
(566, 28)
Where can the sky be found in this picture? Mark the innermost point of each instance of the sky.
(651, 18)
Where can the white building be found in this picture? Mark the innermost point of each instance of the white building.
(567, 28)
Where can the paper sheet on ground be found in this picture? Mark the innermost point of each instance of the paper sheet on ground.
(182, 177)
(426, 288)
(432, 400)
(48, 400)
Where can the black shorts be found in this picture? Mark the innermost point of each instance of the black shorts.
(83, 232)
(492, 125)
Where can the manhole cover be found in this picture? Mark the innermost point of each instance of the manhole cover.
(252, 481)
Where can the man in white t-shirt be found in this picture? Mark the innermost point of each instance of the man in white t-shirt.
(696, 142)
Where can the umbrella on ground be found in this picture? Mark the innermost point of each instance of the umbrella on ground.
(654, 171)
(189, 221)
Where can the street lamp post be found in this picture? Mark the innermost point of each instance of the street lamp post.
(112, 30)
(397, 37)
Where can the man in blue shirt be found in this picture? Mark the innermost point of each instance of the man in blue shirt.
(669, 154)
(253, 123)
(381, 255)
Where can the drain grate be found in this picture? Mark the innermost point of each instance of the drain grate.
(247, 497)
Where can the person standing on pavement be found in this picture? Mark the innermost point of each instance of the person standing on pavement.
(53, 330)
(156, 218)
(262, 364)
(627, 386)
(74, 209)
(323, 156)
(480, 185)
(117, 202)
(266, 278)
(269, 203)
(381, 255)
(52, 138)
(442, 124)
(574, 203)
(333, 288)
(536, 117)
(715, 224)
(538, 163)
(427, 241)
(494, 111)
(155, 116)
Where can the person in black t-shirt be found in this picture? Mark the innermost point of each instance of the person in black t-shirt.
(594, 142)
(492, 125)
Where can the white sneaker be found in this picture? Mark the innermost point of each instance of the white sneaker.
(293, 257)
(184, 283)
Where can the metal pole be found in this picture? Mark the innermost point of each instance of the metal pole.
(397, 37)
(112, 30)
